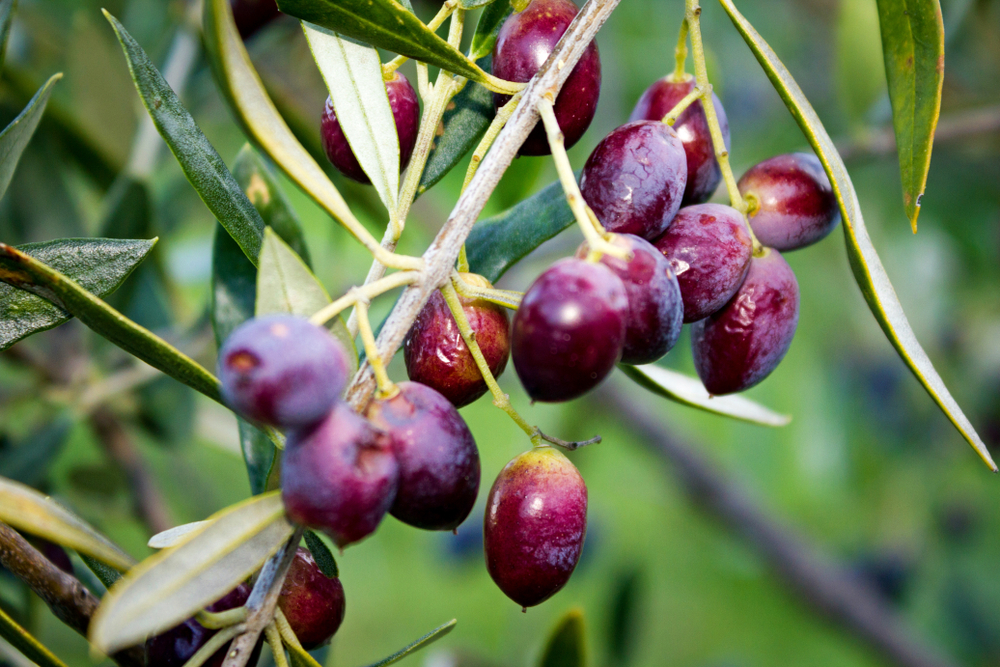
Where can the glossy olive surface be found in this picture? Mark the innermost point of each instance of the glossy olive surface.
(535, 525)
(740, 345)
(792, 204)
(655, 307)
(406, 113)
(339, 476)
(569, 331)
(437, 356)
(634, 180)
(703, 174)
(523, 45)
(282, 370)
(252, 15)
(709, 249)
(312, 602)
(175, 647)
(438, 459)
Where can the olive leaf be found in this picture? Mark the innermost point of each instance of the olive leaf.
(566, 646)
(23, 271)
(15, 137)
(21, 639)
(177, 535)
(913, 47)
(690, 391)
(201, 164)
(500, 242)
(865, 263)
(26, 509)
(174, 584)
(99, 266)
(488, 27)
(431, 637)
(322, 554)
(353, 75)
(7, 8)
(106, 575)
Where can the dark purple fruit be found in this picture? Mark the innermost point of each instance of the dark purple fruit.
(535, 524)
(524, 44)
(175, 647)
(569, 330)
(312, 602)
(791, 201)
(709, 250)
(655, 308)
(339, 476)
(406, 113)
(634, 180)
(438, 459)
(741, 344)
(437, 356)
(282, 370)
(703, 175)
(252, 15)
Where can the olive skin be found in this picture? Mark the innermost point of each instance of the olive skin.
(792, 204)
(437, 455)
(252, 15)
(569, 331)
(282, 370)
(175, 647)
(524, 43)
(634, 180)
(437, 356)
(339, 476)
(655, 307)
(740, 345)
(709, 249)
(406, 113)
(535, 525)
(704, 174)
(312, 602)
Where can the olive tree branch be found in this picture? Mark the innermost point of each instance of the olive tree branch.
(440, 257)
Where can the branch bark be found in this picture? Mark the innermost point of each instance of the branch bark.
(822, 585)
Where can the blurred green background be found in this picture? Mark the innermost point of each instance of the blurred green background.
(869, 471)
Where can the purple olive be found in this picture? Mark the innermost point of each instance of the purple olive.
(282, 370)
(569, 331)
(792, 204)
(406, 113)
(312, 602)
(634, 180)
(252, 15)
(740, 345)
(709, 250)
(339, 476)
(438, 459)
(703, 175)
(524, 44)
(175, 647)
(655, 308)
(436, 354)
(535, 524)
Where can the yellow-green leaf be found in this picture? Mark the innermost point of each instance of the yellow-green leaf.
(22, 640)
(566, 646)
(15, 137)
(173, 537)
(865, 263)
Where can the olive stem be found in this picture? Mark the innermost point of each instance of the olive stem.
(217, 641)
(571, 445)
(365, 293)
(386, 387)
(502, 297)
(502, 86)
(277, 647)
(424, 85)
(285, 629)
(216, 620)
(446, 10)
(500, 399)
(462, 264)
(689, 99)
(501, 118)
(681, 52)
(591, 228)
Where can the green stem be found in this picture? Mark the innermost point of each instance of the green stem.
(446, 10)
(365, 293)
(217, 641)
(501, 118)
(277, 648)
(463, 260)
(681, 52)
(386, 388)
(501, 297)
(679, 108)
(216, 620)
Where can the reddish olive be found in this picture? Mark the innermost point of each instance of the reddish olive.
(312, 602)
(175, 647)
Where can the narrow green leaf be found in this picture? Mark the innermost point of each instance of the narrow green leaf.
(106, 575)
(690, 391)
(913, 47)
(500, 242)
(322, 554)
(19, 269)
(566, 646)
(99, 266)
(28, 461)
(490, 22)
(172, 585)
(22, 640)
(14, 139)
(353, 75)
(26, 509)
(431, 637)
(177, 535)
(868, 270)
(625, 615)
(202, 165)
(387, 25)
(7, 8)
(465, 122)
